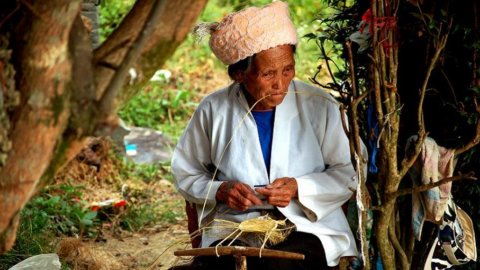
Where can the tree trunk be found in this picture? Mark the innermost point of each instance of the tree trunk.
(60, 95)
(43, 73)
(177, 18)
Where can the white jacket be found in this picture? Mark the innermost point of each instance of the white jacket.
(308, 144)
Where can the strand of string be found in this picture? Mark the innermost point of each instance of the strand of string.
(223, 153)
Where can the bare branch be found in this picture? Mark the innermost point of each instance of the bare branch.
(356, 152)
(106, 103)
(397, 246)
(327, 61)
(422, 188)
(314, 78)
(363, 96)
(408, 160)
(344, 120)
(438, 50)
(352, 68)
(450, 86)
(115, 47)
(476, 138)
(17, 7)
(34, 11)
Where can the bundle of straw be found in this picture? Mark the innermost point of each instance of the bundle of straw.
(266, 228)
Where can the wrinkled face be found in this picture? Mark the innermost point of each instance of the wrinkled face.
(269, 76)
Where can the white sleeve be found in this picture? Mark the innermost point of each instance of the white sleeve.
(192, 167)
(320, 193)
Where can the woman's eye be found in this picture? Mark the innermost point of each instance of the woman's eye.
(269, 74)
(288, 70)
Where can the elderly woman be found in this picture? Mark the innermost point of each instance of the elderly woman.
(267, 144)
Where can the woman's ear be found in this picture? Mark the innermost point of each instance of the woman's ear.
(239, 76)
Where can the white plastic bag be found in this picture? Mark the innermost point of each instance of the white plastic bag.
(39, 262)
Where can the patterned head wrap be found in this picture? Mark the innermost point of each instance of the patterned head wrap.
(249, 31)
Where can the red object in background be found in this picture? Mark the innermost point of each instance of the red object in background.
(120, 204)
(116, 203)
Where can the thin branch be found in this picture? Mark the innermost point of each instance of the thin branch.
(344, 120)
(449, 85)
(99, 58)
(441, 45)
(408, 160)
(422, 188)
(327, 59)
(423, 18)
(475, 50)
(363, 96)
(314, 78)
(106, 103)
(9, 15)
(352, 68)
(397, 246)
(356, 148)
(476, 138)
(34, 11)
(108, 65)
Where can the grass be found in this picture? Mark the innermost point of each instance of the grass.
(58, 210)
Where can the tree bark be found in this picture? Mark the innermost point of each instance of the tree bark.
(60, 82)
(177, 18)
(44, 72)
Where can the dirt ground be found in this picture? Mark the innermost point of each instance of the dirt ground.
(150, 249)
(151, 246)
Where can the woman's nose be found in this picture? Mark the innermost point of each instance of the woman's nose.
(278, 83)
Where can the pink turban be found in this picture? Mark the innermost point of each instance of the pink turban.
(250, 31)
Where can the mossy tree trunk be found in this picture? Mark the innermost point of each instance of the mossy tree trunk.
(66, 91)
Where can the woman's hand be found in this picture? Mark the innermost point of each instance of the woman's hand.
(237, 195)
(280, 192)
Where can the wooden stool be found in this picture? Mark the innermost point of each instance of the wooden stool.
(240, 254)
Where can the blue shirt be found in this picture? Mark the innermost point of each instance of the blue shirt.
(265, 120)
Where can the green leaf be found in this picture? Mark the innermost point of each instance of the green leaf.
(181, 95)
(90, 215)
(87, 222)
(310, 36)
(53, 200)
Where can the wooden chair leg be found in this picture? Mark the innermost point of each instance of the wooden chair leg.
(192, 219)
(240, 262)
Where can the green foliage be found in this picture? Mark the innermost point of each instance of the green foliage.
(111, 14)
(138, 216)
(55, 211)
(159, 106)
(170, 216)
(336, 24)
(61, 209)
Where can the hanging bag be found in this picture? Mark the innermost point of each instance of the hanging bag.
(457, 236)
